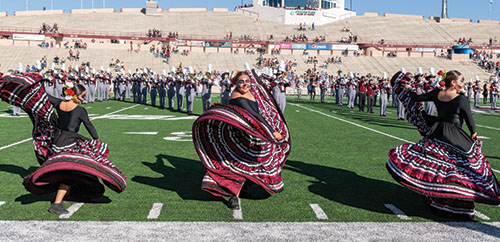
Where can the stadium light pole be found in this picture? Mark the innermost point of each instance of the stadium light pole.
(103, 3)
(489, 10)
(81, 4)
(26, 5)
(51, 4)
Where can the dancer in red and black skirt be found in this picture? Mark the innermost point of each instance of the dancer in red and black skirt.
(246, 141)
(447, 164)
(69, 162)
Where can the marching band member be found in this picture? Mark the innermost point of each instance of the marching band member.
(206, 88)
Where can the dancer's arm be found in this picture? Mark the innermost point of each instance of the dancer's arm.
(466, 114)
(88, 125)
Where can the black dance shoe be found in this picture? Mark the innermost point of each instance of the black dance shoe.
(57, 208)
(234, 203)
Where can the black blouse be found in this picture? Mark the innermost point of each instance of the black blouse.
(70, 121)
(252, 107)
(454, 111)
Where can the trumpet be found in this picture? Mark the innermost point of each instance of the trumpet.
(191, 75)
(208, 75)
(199, 75)
(284, 74)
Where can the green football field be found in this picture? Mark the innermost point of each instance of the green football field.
(337, 161)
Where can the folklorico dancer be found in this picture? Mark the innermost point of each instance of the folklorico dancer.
(446, 165)
(71, 165)
(252, 115)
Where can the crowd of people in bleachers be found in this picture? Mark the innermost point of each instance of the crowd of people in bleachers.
(485, 61)
(296, 38)
(275, 51)
(45, 28)
(155, 33)
(464, 41)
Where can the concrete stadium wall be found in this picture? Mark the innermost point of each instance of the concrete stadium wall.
(136, 10)
(488, 22)
(40, 12)
(187, 9)
(220, 10)
(403, 15)
(130, 10)
(97, 10)
(371, 14)
(453, 20)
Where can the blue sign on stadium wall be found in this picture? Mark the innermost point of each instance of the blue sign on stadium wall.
(318, 47)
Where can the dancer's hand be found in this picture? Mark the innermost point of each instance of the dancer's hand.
(277, 136)
(474, 135)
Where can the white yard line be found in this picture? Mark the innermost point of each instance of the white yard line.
(2, 203)
(487, 127)
(320, 214)
(93, 118)
(349, 122)
(155, 211)
(143, 133)
(481, 215)
(238, 213)
(72, 209)
(19, 142)
(397, 211)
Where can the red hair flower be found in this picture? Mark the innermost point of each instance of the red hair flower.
(70, 92)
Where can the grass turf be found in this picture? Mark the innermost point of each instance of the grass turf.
(337, 165)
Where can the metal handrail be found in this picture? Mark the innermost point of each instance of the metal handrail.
(364, 41)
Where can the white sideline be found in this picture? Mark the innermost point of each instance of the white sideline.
(248, 231)
(373, 130)
(320, 214)
(397, 211)
(349, 122)
(22, 141)
(72, 209)
(2, 203)
(155, 211)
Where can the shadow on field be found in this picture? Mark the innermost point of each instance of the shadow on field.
(31, 198)
(348, 188)
(182, 176)
(21, 171)
(371, 118)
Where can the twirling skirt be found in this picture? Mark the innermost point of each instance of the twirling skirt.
(235, 147)
(65, 157)
(446, 165)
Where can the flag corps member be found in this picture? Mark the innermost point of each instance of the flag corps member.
(245, 142)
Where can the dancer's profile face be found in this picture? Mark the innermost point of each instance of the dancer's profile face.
(79, 99)
(243, 83)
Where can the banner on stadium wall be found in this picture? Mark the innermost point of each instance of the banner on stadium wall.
(221, 44)
(427, 50)
(179, 42)
(35, 37)
(344, 47)
(196, 43)
(286, 46)
(318, 47)
(298, 46)
(303, 12)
